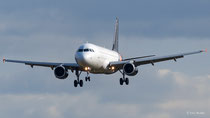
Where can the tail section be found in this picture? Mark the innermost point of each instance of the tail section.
(115, 44)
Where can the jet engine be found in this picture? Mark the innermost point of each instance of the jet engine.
(130, 69)
(61, 72)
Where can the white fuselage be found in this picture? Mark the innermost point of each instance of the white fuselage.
(95, 59)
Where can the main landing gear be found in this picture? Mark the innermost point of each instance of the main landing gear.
(78, 81)
(122, 80)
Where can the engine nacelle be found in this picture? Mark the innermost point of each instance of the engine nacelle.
(130, 69)
(61, 72)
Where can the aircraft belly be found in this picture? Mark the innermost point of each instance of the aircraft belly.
(100, 67)
(102, 71)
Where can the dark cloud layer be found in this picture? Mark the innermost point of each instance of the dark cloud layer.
(188, 18)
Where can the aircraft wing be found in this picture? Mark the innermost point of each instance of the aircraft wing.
(71, 66)
(151, 60)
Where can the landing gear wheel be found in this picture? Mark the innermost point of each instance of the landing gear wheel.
(75, 83)
(121, 81)
(87, 79)
(126, 81)
(81, 83)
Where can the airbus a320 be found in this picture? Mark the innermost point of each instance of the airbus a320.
(94, 59)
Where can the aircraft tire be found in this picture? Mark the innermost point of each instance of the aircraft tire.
(75, 83)
(121, 81)
(126, 81)
(81, 83)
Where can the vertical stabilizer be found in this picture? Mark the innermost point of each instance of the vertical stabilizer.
(115, 44)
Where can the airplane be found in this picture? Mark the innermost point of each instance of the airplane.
(94, 59)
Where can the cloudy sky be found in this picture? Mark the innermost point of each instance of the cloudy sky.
(52, 30)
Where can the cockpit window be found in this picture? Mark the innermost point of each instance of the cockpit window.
(80, 50)
(91, 50)
(85, 50)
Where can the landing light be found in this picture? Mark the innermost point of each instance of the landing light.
(112, 68)
(87, 68)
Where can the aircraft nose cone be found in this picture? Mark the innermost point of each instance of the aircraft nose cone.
(83, 59)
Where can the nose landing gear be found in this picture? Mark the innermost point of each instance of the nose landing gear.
(87, 78)
(78, 81)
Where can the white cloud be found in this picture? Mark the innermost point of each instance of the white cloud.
(89, 105)
(180, 78)
(180, 104)
(208, 76)
(53, 112)
(181, 107)
(159, 115)
(163, 72)
(189, 93)
(62, 105)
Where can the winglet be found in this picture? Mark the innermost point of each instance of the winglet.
(204, 50)
(4, 60)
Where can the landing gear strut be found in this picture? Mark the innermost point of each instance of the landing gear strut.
(122, 80)
(78, 81)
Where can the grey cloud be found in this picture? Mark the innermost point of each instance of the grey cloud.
(52, 31)
(188, 18)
